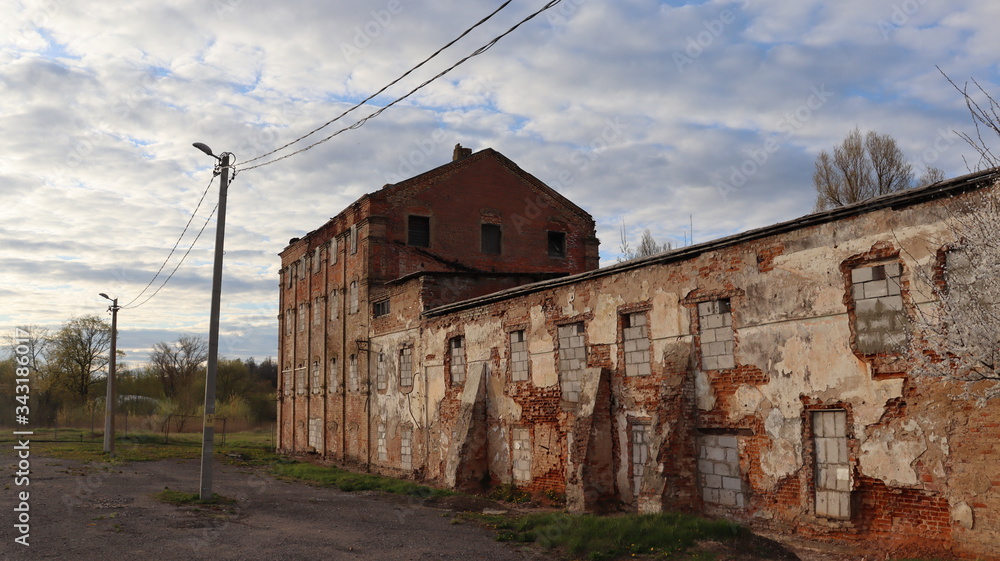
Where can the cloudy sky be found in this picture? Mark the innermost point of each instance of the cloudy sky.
(658, 114)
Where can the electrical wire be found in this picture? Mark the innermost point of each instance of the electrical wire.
(361, 122)
(387, 86)
(183, 257)
(179, 238)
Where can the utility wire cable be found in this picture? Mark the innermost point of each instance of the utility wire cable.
(387, 86)
(361, 122)
(179, 238)
(183, 257)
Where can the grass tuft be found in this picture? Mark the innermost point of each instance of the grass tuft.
(350, 481)
(600, 538)
(181, 498)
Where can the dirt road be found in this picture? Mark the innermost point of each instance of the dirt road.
(83, 512)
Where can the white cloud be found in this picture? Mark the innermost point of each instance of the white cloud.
(646, 107)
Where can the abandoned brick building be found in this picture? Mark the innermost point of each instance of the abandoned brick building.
(455, 328)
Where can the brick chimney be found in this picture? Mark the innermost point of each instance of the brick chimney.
(460, 153)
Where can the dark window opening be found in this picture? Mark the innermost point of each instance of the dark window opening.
(491, 239)
(557, 244)
(419, 231)
(380, 309)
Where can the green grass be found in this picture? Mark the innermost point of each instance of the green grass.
(181, 498)
(243, 448)
(601, 538)
(350, 481)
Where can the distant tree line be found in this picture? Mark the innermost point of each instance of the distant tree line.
(69, 372)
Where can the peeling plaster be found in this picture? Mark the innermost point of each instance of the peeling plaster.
(888, 454)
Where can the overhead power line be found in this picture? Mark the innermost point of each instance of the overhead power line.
(387, 86)
(361, 122)
(183, 257)
(173, 249)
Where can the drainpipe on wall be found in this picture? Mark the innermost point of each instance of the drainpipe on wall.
(343, 359)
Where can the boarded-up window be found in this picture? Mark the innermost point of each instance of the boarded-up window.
(381, 374)
(715, 320)
(418, 231)
(406, 368)
(352, 374)
(640, 453)
(383, 452)
(316, 433)
(518, 356)
(719, 471)
(406, 448)
(635, 336)
(317, 377)
(490, 239)
(457, 345)
(833, 466)
(881, 323)
(522, 453)
(300, 380)
(572, 360)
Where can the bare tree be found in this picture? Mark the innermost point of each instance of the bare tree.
(37, 342)
(78, 351)
(860, 168)
(177, 364)
(958, 332)
(647, 245)
(930, 176)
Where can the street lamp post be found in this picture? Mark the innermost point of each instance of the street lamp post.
(110, 397)
(208, 431)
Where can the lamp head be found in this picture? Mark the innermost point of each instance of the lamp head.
(204, 148)
(105, 296)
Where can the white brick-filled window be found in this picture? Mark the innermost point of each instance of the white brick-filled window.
(833, 464)
(354, 297)
(406, 367)
(300, 380)
(719, 471)
(286, 380)
(640, 454)
(635, 337)
(317, 259)
(316, 433)
(572, 360)
(331, 377)
(317, 377)
(354, 239)
(521, 439)
(715, 319)
(381, 373)
(352, 373)
(317, 311)
(881, 324)
(303, 312)
(289, 321)
(383, 451)
(290, 276)
(406, 448)
(334, 250)
(334, 304)
(457, 348)
(518, 356)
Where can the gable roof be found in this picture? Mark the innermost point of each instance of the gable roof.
(440, 172)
